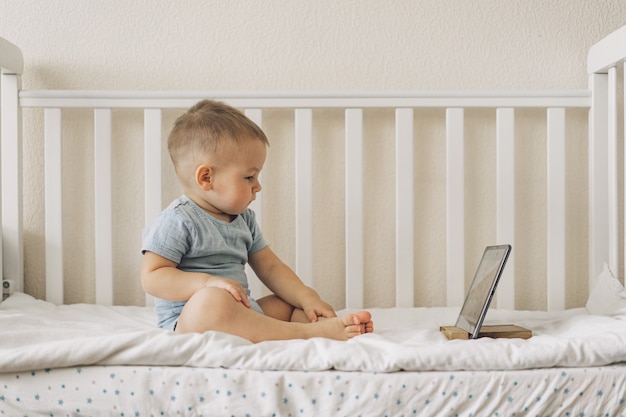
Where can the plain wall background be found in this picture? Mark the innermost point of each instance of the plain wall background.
(299, 44)
(306, 45)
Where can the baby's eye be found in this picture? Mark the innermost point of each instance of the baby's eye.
(250, 178)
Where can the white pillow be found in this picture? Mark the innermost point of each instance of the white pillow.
(607, 294)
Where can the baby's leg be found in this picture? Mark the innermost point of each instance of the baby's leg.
(215, 309)
(276, 307)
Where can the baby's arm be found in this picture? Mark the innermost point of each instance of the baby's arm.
(160, 278)
(283, 282)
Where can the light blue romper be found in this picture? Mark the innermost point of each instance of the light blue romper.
(196, 241)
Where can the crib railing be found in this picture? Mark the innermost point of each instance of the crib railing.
(303, 104)
(604, 61)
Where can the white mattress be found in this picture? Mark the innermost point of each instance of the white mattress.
(94, 360)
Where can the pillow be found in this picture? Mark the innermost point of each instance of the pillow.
(607, 294)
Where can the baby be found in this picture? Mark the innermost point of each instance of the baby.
(196, 250)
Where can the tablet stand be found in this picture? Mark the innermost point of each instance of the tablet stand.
(507, 331)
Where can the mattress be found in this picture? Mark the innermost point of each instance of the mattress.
(39, 335)
(171, 391)
(85, 359)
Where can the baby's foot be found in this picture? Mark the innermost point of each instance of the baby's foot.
(344, 327)
(365, 318)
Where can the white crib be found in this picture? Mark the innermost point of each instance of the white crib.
(305, 117)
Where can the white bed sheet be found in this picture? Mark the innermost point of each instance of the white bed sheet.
(40, 335)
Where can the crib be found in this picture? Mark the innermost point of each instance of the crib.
(96, 351)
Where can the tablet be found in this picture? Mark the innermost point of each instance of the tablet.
(482, 289)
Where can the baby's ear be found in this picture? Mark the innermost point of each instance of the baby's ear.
(204, 177)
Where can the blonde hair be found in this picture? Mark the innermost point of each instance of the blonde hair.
(204, 128)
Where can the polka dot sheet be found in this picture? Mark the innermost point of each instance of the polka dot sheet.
(135, 391)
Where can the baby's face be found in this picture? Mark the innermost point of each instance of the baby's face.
(236, 179)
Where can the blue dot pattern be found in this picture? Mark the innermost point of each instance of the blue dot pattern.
(137, 391)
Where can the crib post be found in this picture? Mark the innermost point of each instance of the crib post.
(602, 60)
(12, 228)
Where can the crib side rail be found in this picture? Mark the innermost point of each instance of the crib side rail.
(307, 99)
(11, 249)
(254, 104)
(604, 61)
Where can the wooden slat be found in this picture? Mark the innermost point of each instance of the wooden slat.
(624, 142)
(254, 284)
(256, 115)
(12, 253)
(152, 164)
(404, 209)
(455, 207)
(53, 206)
(556, 209)
(103, 203)
(598, 176)
(613, 198)
(505, 201)
(354, 209)
(304, 194)
(152, 154)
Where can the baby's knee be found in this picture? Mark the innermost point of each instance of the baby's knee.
(206, 310)
(209, 296)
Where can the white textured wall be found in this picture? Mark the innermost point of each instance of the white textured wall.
(296, 45)
(299, 44)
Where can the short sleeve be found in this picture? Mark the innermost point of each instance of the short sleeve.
(258, 241)
(168, 236)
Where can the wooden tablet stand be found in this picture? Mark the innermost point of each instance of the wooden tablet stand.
(507, 331)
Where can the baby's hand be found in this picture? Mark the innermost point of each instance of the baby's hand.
(233, 287)
(318, 308)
